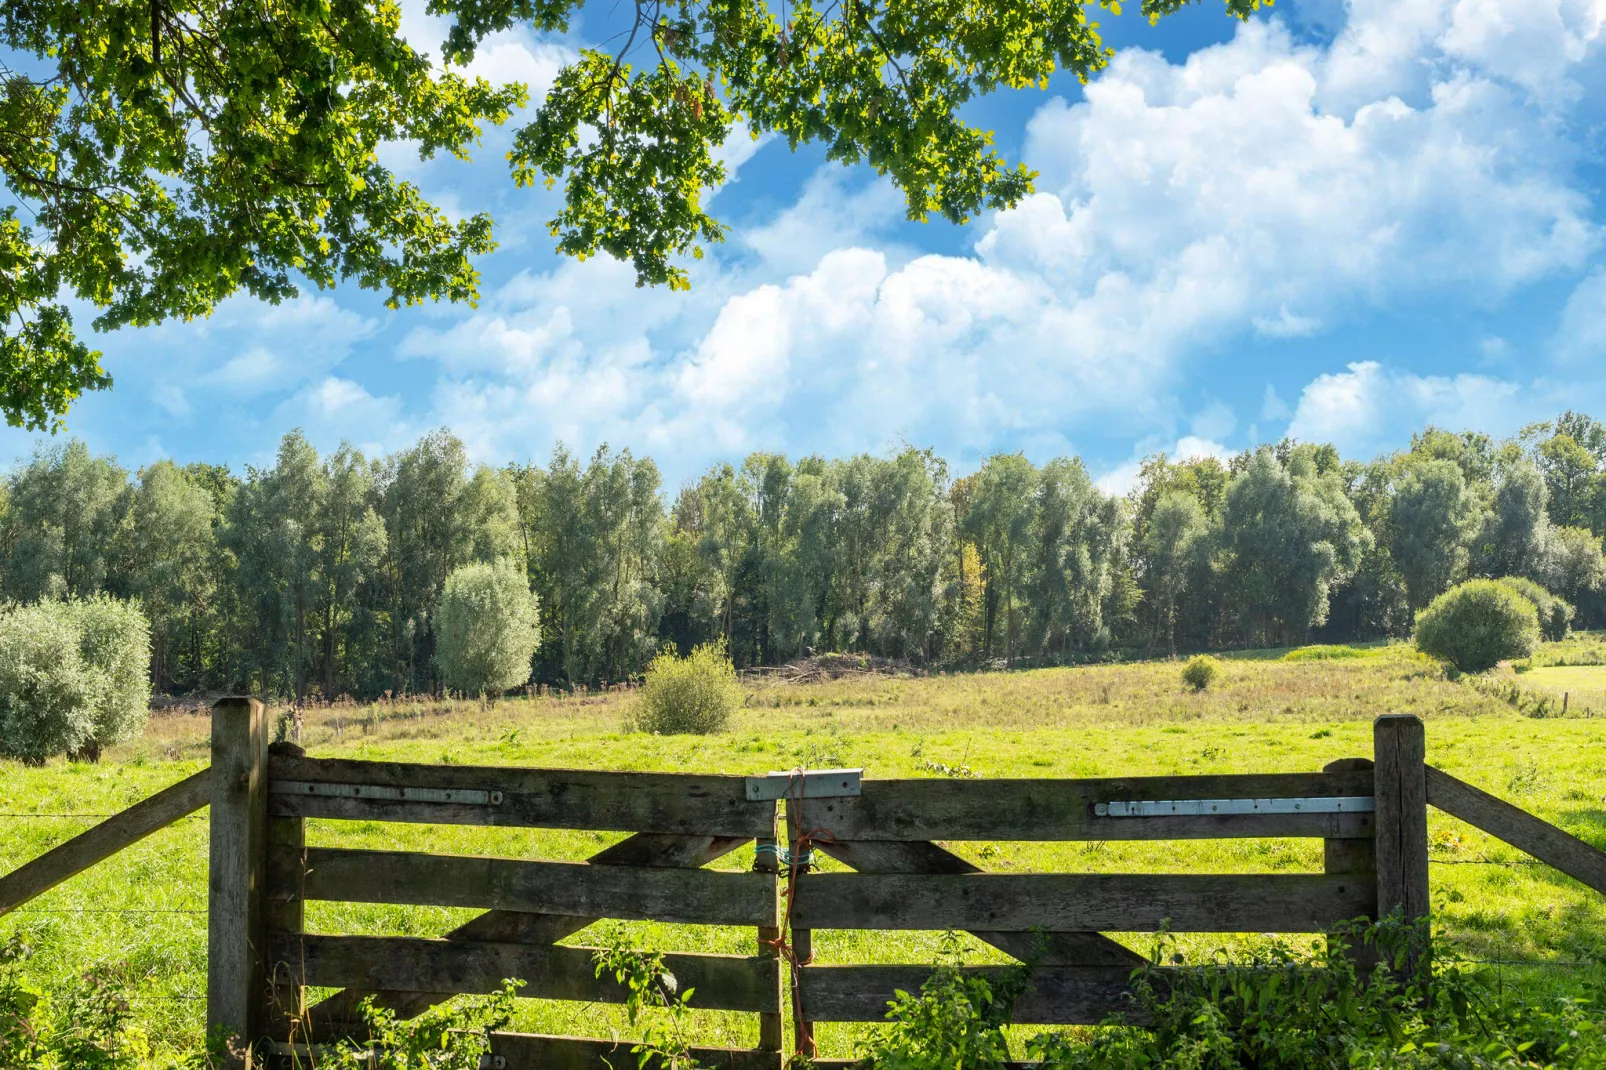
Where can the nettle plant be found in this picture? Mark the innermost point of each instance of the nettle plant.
(1280, 1008)
(654, 1001)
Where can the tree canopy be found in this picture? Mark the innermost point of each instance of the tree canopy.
(166, 154)
(327, 575)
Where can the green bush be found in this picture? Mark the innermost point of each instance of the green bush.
(694, 694)
(86, 1025)
(486, 629)
(1201, 671)
(115, 640)
(1477, 625)
(1279, 1009)
(73, 677)
(1555, 613)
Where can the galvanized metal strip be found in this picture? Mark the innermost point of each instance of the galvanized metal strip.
(809, 784)
(1349, 804)
(464, 796)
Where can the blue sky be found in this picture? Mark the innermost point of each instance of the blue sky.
(1338, 221)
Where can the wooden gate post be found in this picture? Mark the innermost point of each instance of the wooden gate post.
(1352, 857)
(1401, 794)
(771, 1027)
(234, 937)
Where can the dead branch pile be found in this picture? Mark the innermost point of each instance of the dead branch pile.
(822, 667)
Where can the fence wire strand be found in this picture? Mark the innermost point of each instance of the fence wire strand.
(109, 910)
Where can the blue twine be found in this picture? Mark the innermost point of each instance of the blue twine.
(786, 858)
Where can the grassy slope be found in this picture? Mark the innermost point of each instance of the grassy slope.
(1264, 714)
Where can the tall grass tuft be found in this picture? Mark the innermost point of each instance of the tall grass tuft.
(696, 694)
(1201, 671)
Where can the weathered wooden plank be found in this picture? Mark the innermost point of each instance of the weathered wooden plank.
(532, 1051)
(640, 893)
(1041, 809)
(1084, 902)
(235, 974)
(1056, 995)
(723, 982)
(336, 1015)
(1042, 948)
(1399, 743)
(680, 803)
(99, 843)
(1518, 828)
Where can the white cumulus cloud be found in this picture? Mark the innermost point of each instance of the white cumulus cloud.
(1362, 409)
(1259, 188)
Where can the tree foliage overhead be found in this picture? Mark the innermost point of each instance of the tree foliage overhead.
(881, 82)
(169, 153)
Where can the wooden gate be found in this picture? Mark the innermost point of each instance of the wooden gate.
(1370, 813)
(1373, 821)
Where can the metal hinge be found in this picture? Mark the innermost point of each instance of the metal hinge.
(813, 784)
(1349, 804)
(464, 796)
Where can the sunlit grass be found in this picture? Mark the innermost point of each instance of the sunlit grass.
(1262, 714)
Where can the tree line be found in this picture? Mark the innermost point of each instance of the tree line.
(322, 575)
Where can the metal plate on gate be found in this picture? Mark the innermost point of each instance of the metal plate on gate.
(805, 784)
(464, 796)
(1349, 804)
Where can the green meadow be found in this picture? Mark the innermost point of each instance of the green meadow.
(140, 916)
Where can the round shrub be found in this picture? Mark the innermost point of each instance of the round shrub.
(115, 639)
(73, 677)
(486, 628)
(1477, 625)
(1555, 612)
(694, 694)
(1201, 671)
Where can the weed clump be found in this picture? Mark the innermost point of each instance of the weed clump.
(1477, 625)
(1281, 1009)
(696, 694)
(1201, 671)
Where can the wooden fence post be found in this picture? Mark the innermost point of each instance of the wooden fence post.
(1401, 794)
(234, 972)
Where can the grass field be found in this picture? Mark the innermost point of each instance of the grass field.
(1266, 713)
